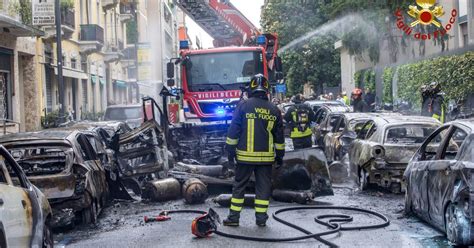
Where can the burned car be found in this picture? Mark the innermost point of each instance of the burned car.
(323, 123)
(383, 148)
(440, 181)
(25, 214)
(64, 166)
(343, 130)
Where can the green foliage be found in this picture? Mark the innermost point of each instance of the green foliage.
(21, 8)
(454, 73)
(369, 79)
(50, 120)
(358, 78)
(316, 61)
(67, 4)
(387, 85)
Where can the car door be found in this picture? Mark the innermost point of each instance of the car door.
(357, 148)
(418, 171)
(441, 177)
(16, 211)
(331, 138)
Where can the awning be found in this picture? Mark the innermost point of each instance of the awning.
(16, 28)
(102, 80)
(93, 79)
(71, 73)
(120, 84)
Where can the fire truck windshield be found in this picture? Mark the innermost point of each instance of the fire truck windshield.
(222, 71)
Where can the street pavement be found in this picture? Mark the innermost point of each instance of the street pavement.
(122, 225)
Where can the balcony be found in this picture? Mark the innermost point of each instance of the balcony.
(67, 25)
(112, 52)
(91, 38)
(129, 56)
(126, 12)
(108, 4)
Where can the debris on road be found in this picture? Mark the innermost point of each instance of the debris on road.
(162, 190)
(194, 191)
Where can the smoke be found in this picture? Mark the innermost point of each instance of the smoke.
(338, 27)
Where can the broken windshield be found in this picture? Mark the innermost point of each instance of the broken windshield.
(218, 71)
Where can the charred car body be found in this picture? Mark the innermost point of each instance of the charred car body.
(64, 166)
(440, 181)
(323, 123)
(384, 146)
(25, 214)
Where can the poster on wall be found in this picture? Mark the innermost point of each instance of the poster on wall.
(42, 12)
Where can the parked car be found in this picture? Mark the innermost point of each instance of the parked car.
(342, 132)
(25, 214)
(64, 166)
(317, 104)
(323, 123)
(440, 181)
(383, 148)
(131, 114)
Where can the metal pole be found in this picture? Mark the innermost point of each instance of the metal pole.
(59, 57)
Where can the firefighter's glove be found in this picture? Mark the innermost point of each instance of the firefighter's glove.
(278, 162)
(231, 155)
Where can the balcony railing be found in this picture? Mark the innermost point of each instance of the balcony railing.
(130, 53)
(92, 32)
(68, 17)
(125, 9)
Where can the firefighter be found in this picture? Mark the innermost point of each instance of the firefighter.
(425, 100)
(436, 106)
(255, 139)
(357, 102)
(300, 117)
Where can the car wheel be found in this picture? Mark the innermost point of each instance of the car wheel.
(458, 226)
(89, 215)
(408, 208)
(48, 240)
(363, 179)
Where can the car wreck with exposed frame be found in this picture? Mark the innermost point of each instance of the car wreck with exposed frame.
(65, 167)
(384, 145)
(440, 181)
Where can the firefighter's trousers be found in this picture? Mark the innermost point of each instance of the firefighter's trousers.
(263, 188)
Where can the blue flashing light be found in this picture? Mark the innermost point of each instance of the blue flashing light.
(261, 40)
(220, 112)
(183, 44)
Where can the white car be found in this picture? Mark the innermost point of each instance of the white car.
(24, 211)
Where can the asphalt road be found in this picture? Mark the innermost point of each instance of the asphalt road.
(121, 225)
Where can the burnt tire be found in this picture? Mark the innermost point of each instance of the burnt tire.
(457, 225)
(48, 240)
(363, 181)
(89, 214)
(408, 205)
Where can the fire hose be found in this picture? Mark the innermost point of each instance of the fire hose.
(332, 221)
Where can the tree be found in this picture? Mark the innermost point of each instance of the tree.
(314, 61)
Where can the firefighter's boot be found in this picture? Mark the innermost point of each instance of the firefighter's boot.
(232, 219)
(261, 219)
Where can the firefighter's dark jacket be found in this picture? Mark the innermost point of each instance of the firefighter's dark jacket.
(256, 132)
(291, 120)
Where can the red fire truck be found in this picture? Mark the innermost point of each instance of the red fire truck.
(212, 79)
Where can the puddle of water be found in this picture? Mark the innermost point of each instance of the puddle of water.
(435, 242)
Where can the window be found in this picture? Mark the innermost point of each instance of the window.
(408, 134)
(3, 178)
(320, 116)
(333, 122)
(468, 150)
(371, 131)
(429, 150)
(14, 172)
(454, 144)
(86, 148)
(342, 125)
(365, 130)
(73, 63)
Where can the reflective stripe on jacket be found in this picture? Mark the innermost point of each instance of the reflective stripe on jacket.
(256, 132)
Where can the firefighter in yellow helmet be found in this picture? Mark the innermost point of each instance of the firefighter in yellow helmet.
(255, 139)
